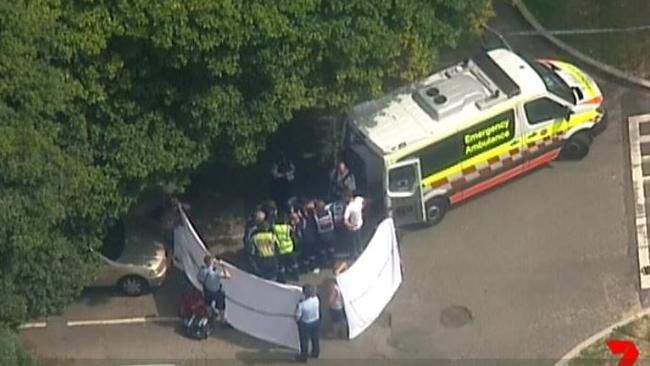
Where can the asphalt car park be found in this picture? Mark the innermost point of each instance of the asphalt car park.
(525, 271)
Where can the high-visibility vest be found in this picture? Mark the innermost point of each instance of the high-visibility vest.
(324, 221)
(285, 241)
(265, 243)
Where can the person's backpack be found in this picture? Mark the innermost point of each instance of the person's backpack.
(198, 327)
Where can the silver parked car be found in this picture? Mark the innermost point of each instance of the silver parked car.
(133, 258)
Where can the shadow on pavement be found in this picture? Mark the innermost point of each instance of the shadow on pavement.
(98, 296)
(167, 297)
(230, 336)
(266, 357)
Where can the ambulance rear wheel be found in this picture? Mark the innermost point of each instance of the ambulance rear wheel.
(436, 210)
(577, 147)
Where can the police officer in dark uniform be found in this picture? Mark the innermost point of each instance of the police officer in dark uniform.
(326, 234)
(252, 227)
(282, 187)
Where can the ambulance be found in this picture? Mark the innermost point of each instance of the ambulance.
(435, 143)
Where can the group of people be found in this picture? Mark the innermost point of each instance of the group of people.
(285, 237)
(308, 313)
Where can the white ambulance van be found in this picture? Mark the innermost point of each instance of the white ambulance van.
(435, 143)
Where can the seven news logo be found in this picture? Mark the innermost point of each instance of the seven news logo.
(627, 349)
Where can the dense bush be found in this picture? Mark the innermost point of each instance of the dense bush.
(11, 352)
(101, 100)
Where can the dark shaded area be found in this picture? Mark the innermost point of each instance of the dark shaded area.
(114, 241)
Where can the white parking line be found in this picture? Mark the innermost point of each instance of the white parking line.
(121, 321)
(33, 325)
(118, 321)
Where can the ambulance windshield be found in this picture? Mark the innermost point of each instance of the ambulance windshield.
(554, 83)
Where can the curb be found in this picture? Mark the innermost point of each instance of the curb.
(620, 74)
(564, 361)
(638, 161)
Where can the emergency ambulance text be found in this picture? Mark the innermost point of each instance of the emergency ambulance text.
(488, 137)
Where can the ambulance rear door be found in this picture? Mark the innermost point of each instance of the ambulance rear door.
(404, 189)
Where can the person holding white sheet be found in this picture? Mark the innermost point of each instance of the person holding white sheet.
(210, 276)
(338, 324)
(353, 221)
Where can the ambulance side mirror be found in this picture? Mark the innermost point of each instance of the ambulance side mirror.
(569, 113)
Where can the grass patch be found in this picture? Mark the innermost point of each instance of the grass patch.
(599, 354)
(628, 51)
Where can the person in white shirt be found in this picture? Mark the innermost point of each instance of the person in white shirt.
(353, 221)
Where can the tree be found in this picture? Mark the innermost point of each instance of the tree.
(42, 181)
(100, 100)
(11, 353)
(197, 78)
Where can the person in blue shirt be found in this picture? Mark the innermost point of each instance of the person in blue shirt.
(308, 318)
(210, 276)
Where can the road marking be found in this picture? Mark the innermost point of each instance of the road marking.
(121, 321)
(639, 28)
(639, 187)
(33, 325)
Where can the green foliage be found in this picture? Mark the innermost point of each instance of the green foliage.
(101, 100)
(11, 352)
(43, 181)
(172, 84)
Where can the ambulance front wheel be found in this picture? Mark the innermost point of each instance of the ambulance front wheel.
(436, 210)
(577, 147)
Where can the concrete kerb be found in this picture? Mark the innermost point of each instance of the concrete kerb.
(564, 361)
(639, 181)
(607, 69)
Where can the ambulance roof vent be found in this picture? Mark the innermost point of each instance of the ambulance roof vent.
(446, 97)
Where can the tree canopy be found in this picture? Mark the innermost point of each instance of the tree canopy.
(100, 100)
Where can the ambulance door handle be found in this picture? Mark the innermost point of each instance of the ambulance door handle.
(533, 134)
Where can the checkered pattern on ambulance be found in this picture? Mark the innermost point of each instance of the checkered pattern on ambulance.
(493, 165)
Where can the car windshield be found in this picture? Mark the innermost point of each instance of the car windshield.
(554, 83)
(113, 243)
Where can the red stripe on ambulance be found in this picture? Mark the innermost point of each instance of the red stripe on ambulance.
(503, 177)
